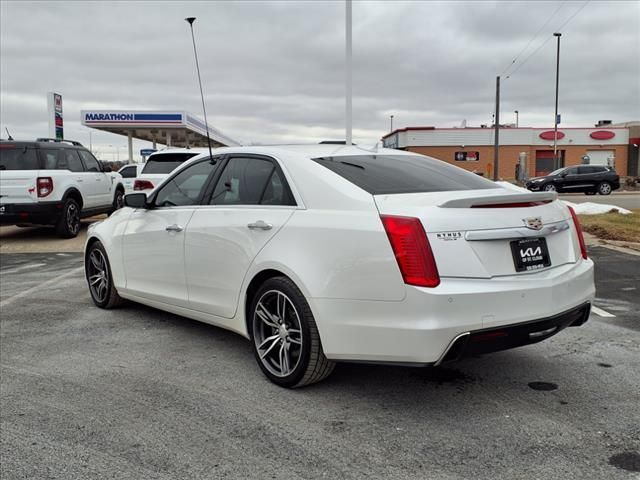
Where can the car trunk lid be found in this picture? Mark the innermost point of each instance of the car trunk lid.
(483, 233)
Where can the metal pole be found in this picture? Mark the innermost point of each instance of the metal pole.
(517, 122)
(496, 141)
(349, 110)
(556, 163)
(391, 126)
(190, 20)
(130, 145)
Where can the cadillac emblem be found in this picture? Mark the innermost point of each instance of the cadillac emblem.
(534, 223)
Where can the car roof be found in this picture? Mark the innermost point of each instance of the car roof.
(44, 144)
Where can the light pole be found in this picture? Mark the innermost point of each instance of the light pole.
(516, 112)
(555, 119)
(391, 123)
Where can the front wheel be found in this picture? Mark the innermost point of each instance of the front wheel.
(285, 338)
(118, 200)
(99, 278)
(604, 188)
(69, 224)
(550, 187)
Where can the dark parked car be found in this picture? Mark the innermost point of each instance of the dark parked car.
(590, 179)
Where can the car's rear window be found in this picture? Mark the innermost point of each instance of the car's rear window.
(166, 162)
(18, 158)
(389, 174)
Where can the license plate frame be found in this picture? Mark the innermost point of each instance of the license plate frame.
(530, 254)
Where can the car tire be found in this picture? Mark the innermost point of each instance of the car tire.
(69, 223)
(604, 188)
(284, 335)
(118, 200)
(550, 187)
(99, 278)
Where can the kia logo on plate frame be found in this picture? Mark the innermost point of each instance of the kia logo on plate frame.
(534, 223)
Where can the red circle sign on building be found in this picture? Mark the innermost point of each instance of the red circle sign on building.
(602, 135)
(548, 135)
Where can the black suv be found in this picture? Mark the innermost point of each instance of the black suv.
(590, 179)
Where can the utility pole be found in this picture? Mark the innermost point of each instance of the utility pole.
(496, 126)
(348, 106)
(556, 162)
(391, 123)
(517, 119)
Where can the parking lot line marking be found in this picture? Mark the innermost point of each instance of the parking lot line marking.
(24, 267)
(49, 282)
(601, 313)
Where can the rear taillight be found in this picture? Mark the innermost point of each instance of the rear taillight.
(142, 185)
(45, 186)
(412, 250)
(576, 223)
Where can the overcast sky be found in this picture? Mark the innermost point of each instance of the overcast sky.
(273, 72)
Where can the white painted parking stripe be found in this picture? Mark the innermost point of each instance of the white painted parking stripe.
(46, 284)
(24, 267)
(602, 313)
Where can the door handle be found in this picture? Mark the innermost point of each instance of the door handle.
(174, 228)
(260, 225)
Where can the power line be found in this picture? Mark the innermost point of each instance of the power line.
(533, 38)
(547, 40)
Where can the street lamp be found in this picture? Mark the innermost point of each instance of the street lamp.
(391, 121)
(555, 119)
(516, 112)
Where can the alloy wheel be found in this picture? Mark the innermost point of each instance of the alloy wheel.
(73, 218)
(550, 188)
(277, 333)
(605, 189)
(98, 274)
(119, 200)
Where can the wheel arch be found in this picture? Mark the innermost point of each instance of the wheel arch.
(256, 281)
(75, 194)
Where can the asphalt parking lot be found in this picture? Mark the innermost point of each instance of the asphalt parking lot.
(138, 393)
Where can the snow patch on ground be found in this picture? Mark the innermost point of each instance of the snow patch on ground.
(590, 208)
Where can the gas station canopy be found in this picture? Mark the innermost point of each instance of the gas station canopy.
(177, 129)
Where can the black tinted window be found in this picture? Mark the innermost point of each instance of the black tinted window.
(185, 188)
(243, 182)
(90, 161)
(388, 174)
(18, 158)
(571, 171)
(69, 160)
(128, 172)
(166, 162)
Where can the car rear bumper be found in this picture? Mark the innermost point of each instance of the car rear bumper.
(41, 213)
(422, 328)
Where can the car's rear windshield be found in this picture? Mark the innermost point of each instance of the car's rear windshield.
(390, 174)
(166, 162)
(15, 157)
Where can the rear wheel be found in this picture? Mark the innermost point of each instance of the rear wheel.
(99, 278)
(550, 187)
(285, 338)
(604, 188)
(69, 223)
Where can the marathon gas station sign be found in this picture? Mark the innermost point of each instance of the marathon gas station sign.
(131, 118)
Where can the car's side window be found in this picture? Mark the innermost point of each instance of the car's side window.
(129, 172)
(50, 157)
(90, 161)
(186, 187)
(277, 191)
(70, 160)
(572, 171)
(244, 181)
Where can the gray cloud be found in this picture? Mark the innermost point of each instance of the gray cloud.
(274, 71)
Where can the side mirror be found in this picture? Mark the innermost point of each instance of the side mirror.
(563, 174)
(136, 200)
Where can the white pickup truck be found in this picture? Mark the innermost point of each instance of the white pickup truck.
(54, 182)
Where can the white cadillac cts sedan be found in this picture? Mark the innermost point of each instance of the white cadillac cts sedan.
(328, 253)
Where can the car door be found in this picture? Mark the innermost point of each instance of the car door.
(153, 241)
(570, 179)
(249, 202)
(100, 184)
